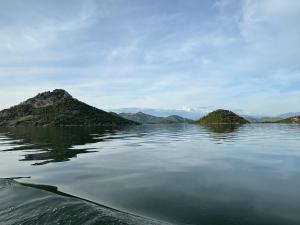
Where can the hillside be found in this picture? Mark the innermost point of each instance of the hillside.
(57, 108)
(294, 119)
(149, 119)
(262, 119)
(221, 116)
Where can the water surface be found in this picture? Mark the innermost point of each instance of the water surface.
(182, 174)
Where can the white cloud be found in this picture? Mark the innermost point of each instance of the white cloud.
(114, 55)
(41, 34)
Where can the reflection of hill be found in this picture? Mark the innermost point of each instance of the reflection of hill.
(222, 132)
(53, 144)
(222, 128)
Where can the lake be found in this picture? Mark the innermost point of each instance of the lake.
(151, 174)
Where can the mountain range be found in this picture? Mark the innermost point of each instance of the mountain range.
(190, 113)
(144, 118)
(293, 119)
(59, 108)
(195, 114)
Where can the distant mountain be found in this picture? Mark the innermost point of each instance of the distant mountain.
(190, 113)
(270, 119)
(294, 119)
(144, 118)
(289, 114)
(221, 116)
(57, 108)
(262, 119)
(177, 119)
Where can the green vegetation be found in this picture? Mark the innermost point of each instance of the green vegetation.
(55, 144)
(222, 127)
(57, 108)
(222, 116)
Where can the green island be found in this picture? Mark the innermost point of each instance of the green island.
(221, 116)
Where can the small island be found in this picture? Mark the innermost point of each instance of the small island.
(222, 116)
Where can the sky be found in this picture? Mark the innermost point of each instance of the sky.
(242, 55)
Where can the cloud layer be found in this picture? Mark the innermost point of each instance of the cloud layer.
(241, 55)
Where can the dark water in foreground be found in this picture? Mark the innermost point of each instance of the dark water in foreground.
(181, 174)
(35, 204)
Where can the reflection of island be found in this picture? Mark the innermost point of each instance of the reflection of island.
(221, 124)
(53, 144)
(222, 132)
(222, 128)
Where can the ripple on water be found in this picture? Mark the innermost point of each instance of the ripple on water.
(36, 204)
(186, 174)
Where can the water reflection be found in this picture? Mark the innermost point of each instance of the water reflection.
(185, 174)
(221, 133)
(47, 145)
(222, 128)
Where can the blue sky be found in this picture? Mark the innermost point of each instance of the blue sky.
(242, 55)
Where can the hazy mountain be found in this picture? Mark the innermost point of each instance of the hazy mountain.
(294, 119)
(262, 119)
(222, 116)
(57, 108)
(268, 118)
(144, 118)
(190, 114)
(177, 119)
(289, 114)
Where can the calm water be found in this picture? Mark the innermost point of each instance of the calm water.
(181, 174)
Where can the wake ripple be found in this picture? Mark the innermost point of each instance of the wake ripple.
(27, 204)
